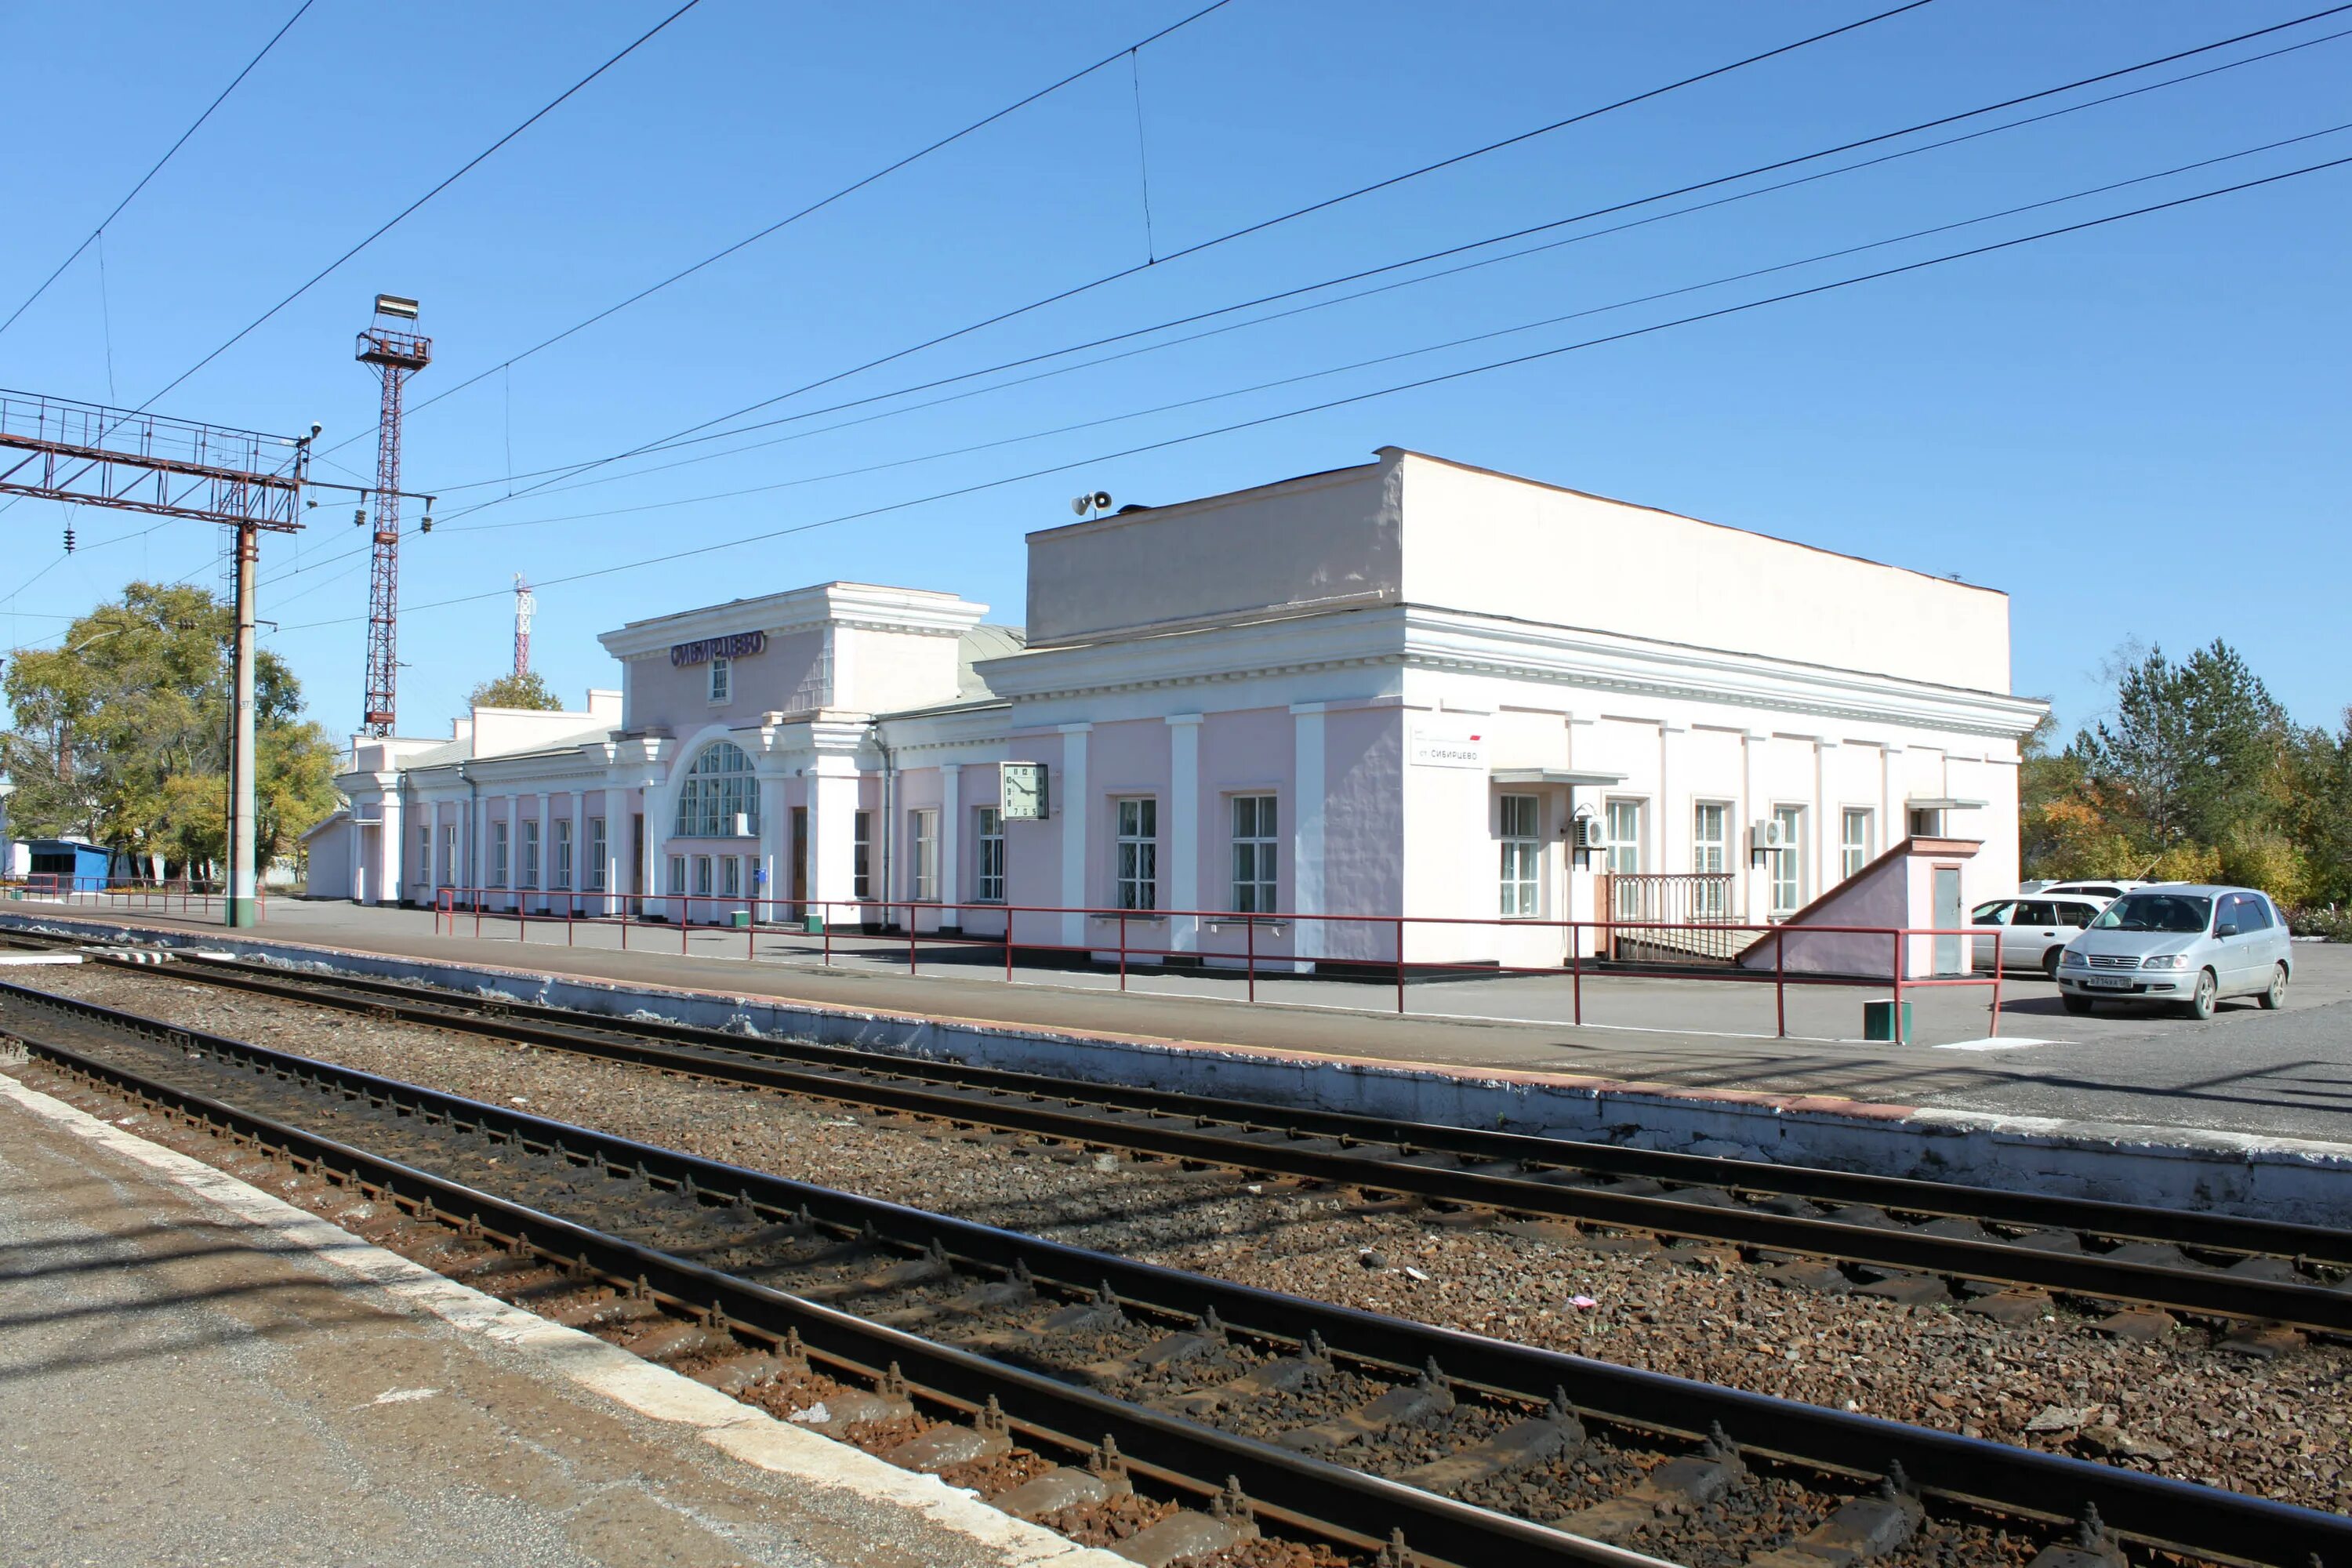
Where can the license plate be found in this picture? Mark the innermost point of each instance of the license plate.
(2109, 982)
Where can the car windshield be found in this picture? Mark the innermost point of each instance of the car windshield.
(2155, 911)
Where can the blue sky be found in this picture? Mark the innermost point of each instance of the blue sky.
(2136, 431)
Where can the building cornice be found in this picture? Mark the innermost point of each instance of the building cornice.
(864, 606)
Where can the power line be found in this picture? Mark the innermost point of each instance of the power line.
(1441, 378)
(462, 170)
(158, 168)
(1445, 252)
(1263, 223)
(1554, 320)
(813, 208)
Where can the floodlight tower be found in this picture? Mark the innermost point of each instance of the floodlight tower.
(394, 352)
(525, 603)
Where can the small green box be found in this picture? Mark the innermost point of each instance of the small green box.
(1878, 1020)
(739, 919)
(813, 924)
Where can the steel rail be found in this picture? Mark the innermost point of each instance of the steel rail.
(1272, 1141)
(1311, 1496)
(2158, 1511)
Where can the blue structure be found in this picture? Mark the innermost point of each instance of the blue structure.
(77, 867)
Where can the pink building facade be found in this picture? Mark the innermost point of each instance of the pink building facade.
(1271, 721)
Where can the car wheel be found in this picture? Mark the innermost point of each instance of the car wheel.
(2078, 1006)
(2049, 964)
(2200, 1002)
(2273, 997)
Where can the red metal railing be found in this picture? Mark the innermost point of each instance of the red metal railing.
(172, 896)
(807, 926)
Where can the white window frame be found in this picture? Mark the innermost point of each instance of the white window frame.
(1519, 835)
(1135, 862)
(1786, 870)
(1622, 820)
(923, 836)
(988, 854)
(1256, 822)
(861, 855)
(449, 855)
(596, 850)
(703, 886)
(731, 876)
(498, 854)
(531, 852)
(677, 874)
(1854, 849)
(1710, 856)
(560, 861)
(719, 786)
(723, 680)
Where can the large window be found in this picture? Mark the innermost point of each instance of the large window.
(987, 860)
(677, 873)
(1853, 843)
(1518, 819)
(861, 857)
(1255, 837)
(1137, 866)
(722, 679)
(531, 853)
(1789, 865)
(498, 855)
(1710, 859)
(923, 829)
(719, 788)
(596, 853)
(731, 876)
(702, 888)
(1623, 824)
(449, 855)
(562, 853)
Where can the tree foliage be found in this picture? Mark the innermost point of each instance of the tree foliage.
(528, 689)
(2198, 775)
(122, 733)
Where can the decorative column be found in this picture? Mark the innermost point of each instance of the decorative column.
(392, 847)
(542, 875)
(832, 782)
(1756, 873)
(1312, 938)
(1184, 828)
(580, 877)
(1826, 847)
(514, 851)
(949, 849)
(1072, 807)
(1890, 795)
(772, 815)
(1674, 812)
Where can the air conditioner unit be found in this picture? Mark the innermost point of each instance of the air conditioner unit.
(1587, 834)
(743, 825)
(1770, 834)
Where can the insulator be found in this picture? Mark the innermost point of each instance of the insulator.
(359, 518)
(69, 540)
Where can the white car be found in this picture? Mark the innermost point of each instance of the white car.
(2105, 889)
(2033, 931)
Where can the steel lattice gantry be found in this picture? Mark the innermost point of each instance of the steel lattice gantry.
(395, 354)
(57, 449)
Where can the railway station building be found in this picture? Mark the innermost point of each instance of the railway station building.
(1275, 719)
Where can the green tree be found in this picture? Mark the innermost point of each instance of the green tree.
(528, 689)
(2319, 814)
(122, 733)
(2197, 752)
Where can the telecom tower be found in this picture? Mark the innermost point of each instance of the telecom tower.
(395, 352)
(525, 603)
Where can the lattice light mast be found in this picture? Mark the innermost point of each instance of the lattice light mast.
(525, 603)
(391, 347)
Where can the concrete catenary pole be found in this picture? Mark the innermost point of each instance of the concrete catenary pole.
(243, 907)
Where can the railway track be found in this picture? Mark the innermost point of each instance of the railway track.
(1914, 1240)
(1365, 1433)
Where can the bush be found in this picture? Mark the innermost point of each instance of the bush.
(2331, 922)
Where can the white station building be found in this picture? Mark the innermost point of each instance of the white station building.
(1411, 687)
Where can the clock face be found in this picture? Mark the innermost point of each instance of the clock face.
(1023, 791)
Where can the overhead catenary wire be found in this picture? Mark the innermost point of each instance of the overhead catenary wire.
(1532, 357)
(812, 209)
(1455, 342)
(157, 168)
(447, 181)
(1361, 274)
(1262, 224)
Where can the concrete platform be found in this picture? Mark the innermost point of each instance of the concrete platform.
(193, 1372)
(2246, 1074)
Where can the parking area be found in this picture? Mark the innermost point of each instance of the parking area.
(2286, 1074)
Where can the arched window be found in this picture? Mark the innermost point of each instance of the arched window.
(717, 786)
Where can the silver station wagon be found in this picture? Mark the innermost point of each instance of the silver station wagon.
(2181, 944)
